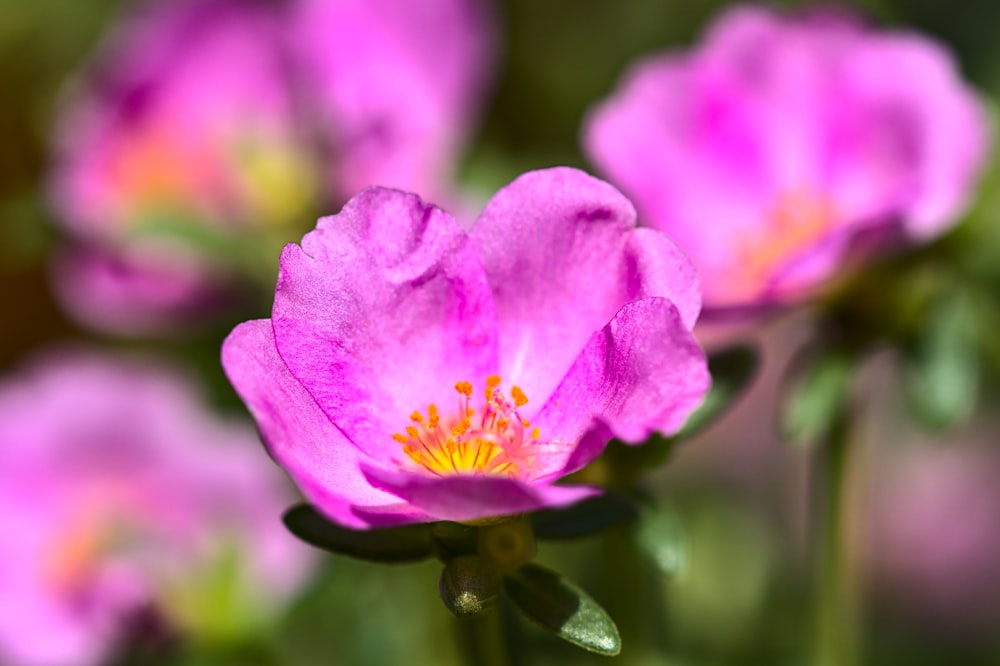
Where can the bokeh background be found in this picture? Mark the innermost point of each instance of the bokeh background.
(926, 506)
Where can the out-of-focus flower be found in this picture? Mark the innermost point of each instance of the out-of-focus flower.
(413, 372)
(397, 85)
(779, 141)
(208, 128)
(933, 544)
(120, 495)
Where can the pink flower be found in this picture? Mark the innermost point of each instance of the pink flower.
(184, 132)
(779, 141)
(208, 128)
(932, 539)
(397, 85)
(120, 493)
(413, 372)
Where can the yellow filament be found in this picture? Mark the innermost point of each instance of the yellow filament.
(497, 443)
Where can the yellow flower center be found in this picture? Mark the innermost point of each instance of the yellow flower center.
(88, 534)
(798, 219)
(495, 440)
(264, 178)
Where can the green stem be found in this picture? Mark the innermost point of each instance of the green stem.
(484, 640)
(836, 637)
(630, 593)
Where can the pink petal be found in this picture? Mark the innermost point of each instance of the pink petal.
(381, 311)
(918, 136)
(298, 434)
(643, 373)
(397, 84)
(748, 113)
(672, 138)
(563, 256)
(463, 497)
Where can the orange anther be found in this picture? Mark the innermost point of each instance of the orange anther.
(417, 417)
(519, 398)
(536, 432)
(412, 432)
(402, 439)
(462, 427)
(465, 388)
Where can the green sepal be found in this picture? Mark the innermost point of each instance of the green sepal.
(590, 516)
(453, 539)
(408, 543)
(732, 370)
(815, 394)
(941, 373)
(627, 460)
(562, 608)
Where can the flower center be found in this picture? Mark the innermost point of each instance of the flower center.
(798, 219)
(495, 440)
(250, 173)
(86, 535)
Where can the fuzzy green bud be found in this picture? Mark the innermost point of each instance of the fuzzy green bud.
(469, 585)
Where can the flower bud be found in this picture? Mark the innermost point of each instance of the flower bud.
(508, 545)
(469, 586)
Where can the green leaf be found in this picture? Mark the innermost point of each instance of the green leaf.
(629, 459)
(590, 516)
(942, 369)
(409, 543)
(660, 536)
(185, 230)
(559, 606)
(816, 395)
(732, 370)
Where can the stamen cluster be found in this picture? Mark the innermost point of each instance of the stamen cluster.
(498, 442)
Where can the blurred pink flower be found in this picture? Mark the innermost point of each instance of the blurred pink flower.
(933, 542)
(779, 141)
(413, 372)
(397, 85)
(120, 493)
(213, 126)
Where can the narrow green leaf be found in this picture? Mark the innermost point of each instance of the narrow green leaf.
(815, 395)
(660, 536)
(559, 606)
(590, 516)
(732, 370)
(942, 370)
(409, 543)
(186, 230)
